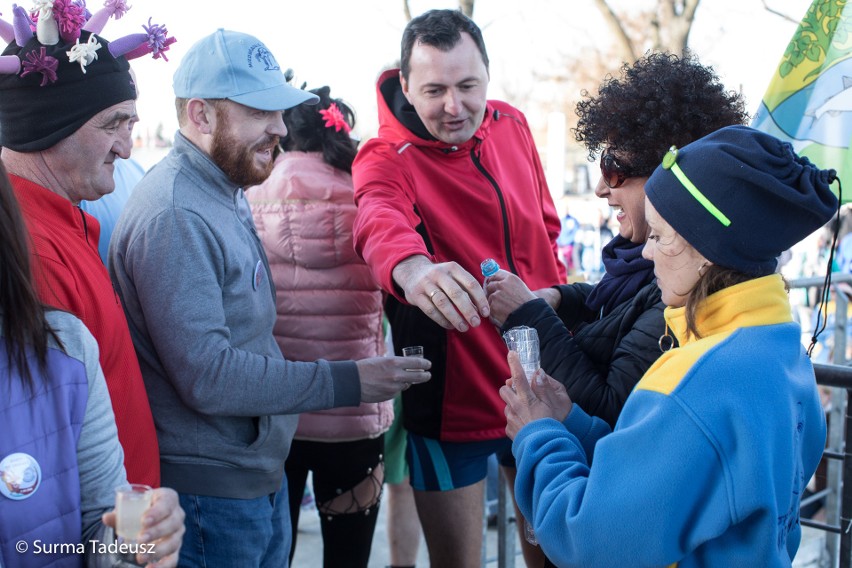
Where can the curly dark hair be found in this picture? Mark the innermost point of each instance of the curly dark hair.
(659, 100)
(307, 132)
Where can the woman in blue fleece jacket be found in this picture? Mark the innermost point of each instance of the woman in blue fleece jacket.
(707, 462)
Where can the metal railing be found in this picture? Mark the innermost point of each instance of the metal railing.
(506, 528)
(838, 493)
(839, 376)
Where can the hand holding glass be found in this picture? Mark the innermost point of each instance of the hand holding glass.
(131, 502)
(524, 341)
(412, 351)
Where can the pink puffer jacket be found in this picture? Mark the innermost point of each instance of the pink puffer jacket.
(329, 304)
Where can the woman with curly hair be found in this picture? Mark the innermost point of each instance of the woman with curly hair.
(606, 336)
(599, 340)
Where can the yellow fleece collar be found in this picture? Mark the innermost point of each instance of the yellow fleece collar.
(762, 301)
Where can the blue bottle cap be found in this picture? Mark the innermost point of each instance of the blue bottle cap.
(489, 267)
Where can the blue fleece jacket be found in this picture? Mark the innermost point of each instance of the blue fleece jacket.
(708, 459)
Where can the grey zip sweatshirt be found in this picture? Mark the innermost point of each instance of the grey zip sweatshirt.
(196, 287)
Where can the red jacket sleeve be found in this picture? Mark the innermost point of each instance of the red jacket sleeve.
(386, 224)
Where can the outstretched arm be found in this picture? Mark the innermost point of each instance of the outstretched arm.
(445, 292)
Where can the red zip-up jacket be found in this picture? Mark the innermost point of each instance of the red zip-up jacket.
(486, 198)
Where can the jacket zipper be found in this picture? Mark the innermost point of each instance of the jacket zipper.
(85, 225)
(115, 293)
(497, 190)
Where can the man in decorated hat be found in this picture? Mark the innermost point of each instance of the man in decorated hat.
(200, 301)
(66, 111)
(67, 106)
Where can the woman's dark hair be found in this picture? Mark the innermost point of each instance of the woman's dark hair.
(22, 313)
(715, 279)
(660, 100)
(307, 131)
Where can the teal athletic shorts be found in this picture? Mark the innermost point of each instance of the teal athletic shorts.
(441, 466)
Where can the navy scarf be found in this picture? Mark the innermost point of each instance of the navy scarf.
(626, 273)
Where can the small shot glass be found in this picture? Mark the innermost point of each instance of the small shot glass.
(413, 351)
(131, 502)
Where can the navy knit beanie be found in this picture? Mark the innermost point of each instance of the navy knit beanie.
(741, 197)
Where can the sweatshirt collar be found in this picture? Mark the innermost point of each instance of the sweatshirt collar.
(761, 301)
(47, 207)
(212, 179)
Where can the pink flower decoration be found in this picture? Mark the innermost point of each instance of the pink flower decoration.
(82, 4)
(70, 17)
(335, 119)
(155, 40)
(144, 49)
(41, 63)
(118, 7)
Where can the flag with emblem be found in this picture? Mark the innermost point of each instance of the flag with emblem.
(809, 99)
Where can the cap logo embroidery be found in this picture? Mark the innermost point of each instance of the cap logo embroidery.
(264, 56)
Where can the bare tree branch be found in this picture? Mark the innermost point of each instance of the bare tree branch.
(674, 19)
(779, 14)
(612, 20)
(407, 9)
(466, 6)
(689, 8)
(688, 17)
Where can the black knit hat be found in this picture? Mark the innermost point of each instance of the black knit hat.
(741, 197)
(35, 117)
(54, 81)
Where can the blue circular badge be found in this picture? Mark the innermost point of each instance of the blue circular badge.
(20, 476)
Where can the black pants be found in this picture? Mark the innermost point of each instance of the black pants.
(337, 468)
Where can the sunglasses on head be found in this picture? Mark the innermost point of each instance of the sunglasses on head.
(614, 172)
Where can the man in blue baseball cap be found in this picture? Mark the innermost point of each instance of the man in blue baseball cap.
(196, 286)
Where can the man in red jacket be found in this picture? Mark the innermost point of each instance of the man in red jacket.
(452, 179)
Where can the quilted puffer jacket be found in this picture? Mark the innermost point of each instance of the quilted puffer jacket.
(329, 305)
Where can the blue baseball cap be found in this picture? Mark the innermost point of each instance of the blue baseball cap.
(238, 67)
